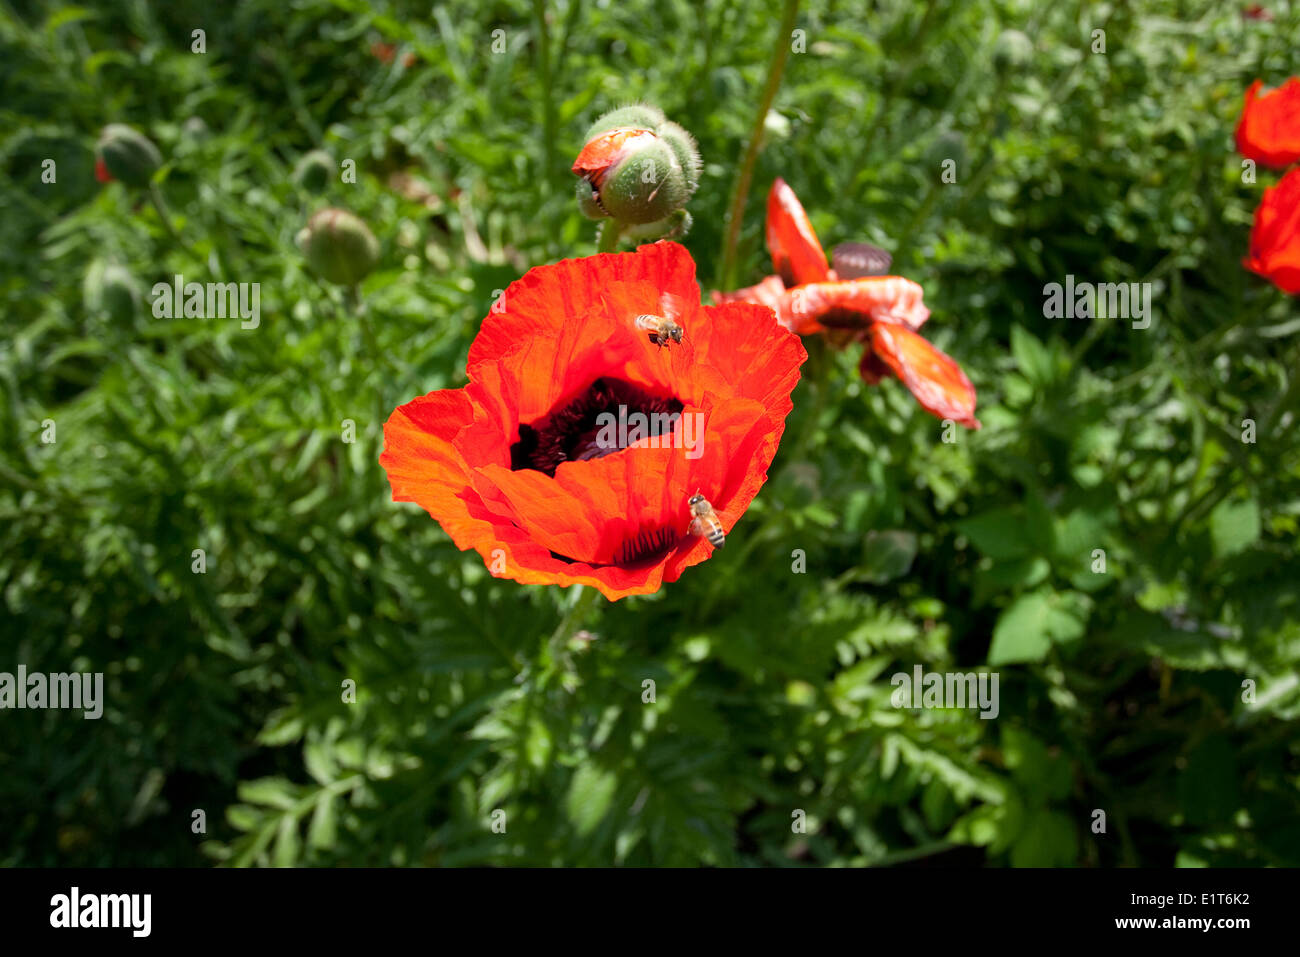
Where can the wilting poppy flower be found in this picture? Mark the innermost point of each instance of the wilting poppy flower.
(521, 464)
(849, 300)
(1275, 235)
(1269, 130)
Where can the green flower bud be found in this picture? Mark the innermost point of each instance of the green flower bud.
(128, 155)
(339, 247)
(111, 290)
(314, 171)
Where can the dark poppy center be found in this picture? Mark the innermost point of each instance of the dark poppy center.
(606, 417)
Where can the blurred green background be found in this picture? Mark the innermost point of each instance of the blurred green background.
(1120, 691)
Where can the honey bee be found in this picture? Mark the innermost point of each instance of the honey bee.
(704, 521)
(665, 328)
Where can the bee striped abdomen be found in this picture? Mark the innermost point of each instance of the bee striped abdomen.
(704, 521)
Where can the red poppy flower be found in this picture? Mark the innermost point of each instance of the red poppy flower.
(1269, 130)
(101, 171)
(1275, 235)
(513, 466)
(851, 302)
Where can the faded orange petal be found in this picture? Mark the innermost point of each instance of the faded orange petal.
(936, 381)
(796, 252)
(853, 303)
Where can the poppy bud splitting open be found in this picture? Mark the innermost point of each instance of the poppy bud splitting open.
(636, 167)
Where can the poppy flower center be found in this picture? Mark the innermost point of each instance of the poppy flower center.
(593, 424)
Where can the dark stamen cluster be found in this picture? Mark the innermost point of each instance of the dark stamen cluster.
(568, 434)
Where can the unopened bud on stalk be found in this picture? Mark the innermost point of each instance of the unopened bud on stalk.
(636, 167)
(127, 154)
(314, 170)
(111, 290)
(339, 247)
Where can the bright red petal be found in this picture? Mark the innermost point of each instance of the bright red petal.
(101, 171)
(796, 252)
(545, 298)
(936, 381)
(1275, 235)
(1269, 130)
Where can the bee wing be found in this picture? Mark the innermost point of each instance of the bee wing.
(856, 260)
(672, 306)
(697, 528)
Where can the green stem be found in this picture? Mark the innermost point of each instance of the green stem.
(610, 231)
(548, 102)
(740, 191)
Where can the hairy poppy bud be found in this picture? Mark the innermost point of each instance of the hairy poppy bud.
(636, 167)
(314, 170)
(111, 290)
(127, 154)
(339, 247)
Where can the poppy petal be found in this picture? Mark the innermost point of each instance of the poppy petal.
(937, 382)
(602, 153)
(543, 299)
(1269, 129)
(1275, 235)
(796, 252)
(853, 303)
(771, 292)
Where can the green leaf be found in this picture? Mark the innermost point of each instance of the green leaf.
(1033, 358)
(272, 792)
(590, 792)
(1234, 527)
(1028, 627)
(999, 533)
(323, 828)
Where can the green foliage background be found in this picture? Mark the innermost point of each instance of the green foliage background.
(1120, 691)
